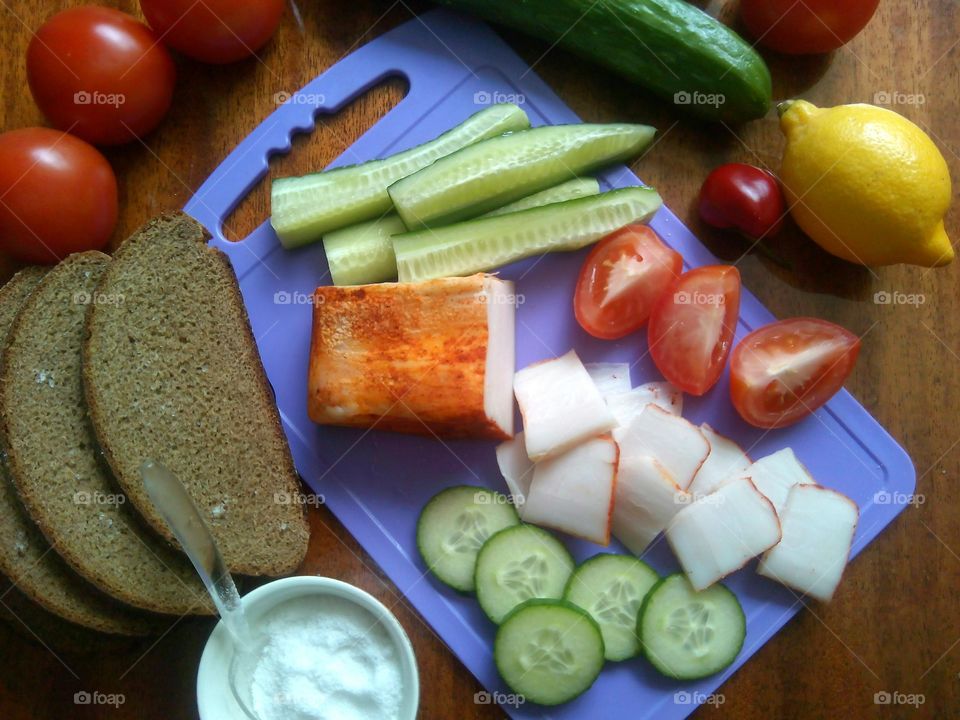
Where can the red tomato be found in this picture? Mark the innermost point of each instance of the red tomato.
(742, 197)
(622, 278)
(811, 26)
(58, 195)
(214, 31)
(100, 74)
(786, 370)
(691, 328)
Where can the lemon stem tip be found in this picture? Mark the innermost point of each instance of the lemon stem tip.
(782, 107)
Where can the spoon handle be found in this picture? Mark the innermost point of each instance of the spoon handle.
(178, 509)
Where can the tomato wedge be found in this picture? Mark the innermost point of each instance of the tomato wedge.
(691, 328)
(621, 280)
(784, 371)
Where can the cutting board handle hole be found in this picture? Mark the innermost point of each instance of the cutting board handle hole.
(313, 150)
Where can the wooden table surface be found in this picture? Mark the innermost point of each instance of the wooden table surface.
(895, 623)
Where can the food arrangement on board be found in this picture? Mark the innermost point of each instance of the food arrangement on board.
(123, 375)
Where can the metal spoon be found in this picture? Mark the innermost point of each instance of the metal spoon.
(178, 509)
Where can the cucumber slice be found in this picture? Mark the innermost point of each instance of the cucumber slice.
(363, 253)
(454, 525)
(517, 564)
(487, 243)
(570, 190)
(688, 635)
(503, 169)
(611, 588)
(304, 208)
(548, 651)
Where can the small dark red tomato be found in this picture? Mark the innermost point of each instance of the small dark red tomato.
(744, 198)
(58, 195)
(99, 74)
(214, 31)
(622, 279)
(784, 371)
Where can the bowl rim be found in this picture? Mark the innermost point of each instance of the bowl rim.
(214, 698)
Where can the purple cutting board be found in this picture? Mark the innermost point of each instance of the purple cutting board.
(377, 482)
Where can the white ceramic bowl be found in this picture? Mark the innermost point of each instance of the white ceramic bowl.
(214, 697)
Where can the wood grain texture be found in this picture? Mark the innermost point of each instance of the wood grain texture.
(895, 623)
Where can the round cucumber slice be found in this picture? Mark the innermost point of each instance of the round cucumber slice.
(454, 525)
(517, 564)
(688, 635)
(611, 588)
(549, 651)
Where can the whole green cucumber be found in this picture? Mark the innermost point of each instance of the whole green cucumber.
(668, 46)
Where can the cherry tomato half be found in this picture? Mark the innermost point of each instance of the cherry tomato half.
(691, 328)
(811, 26)
(742, 197)
(621, 280)
(58, 195)
(99, 74)
(784, 371)
(214, 31)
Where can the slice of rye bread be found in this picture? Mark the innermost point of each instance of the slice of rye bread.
(173, 373)
(54, 461)
(33, 623)
(25, 556)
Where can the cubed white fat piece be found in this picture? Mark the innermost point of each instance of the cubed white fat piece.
(609, 377)
(516, 468)
(625, 406)
(573, 492)
(645, 500)
(675, 443)
(818, 528)
(501, 300)
(719, 533)
(726, 460)
(561, 406)
(774, 476)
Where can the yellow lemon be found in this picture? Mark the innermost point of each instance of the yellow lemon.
(866, 184)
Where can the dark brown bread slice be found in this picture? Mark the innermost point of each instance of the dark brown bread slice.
(25, 555)
(173, 373)
(53, 458)
(32, 622)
